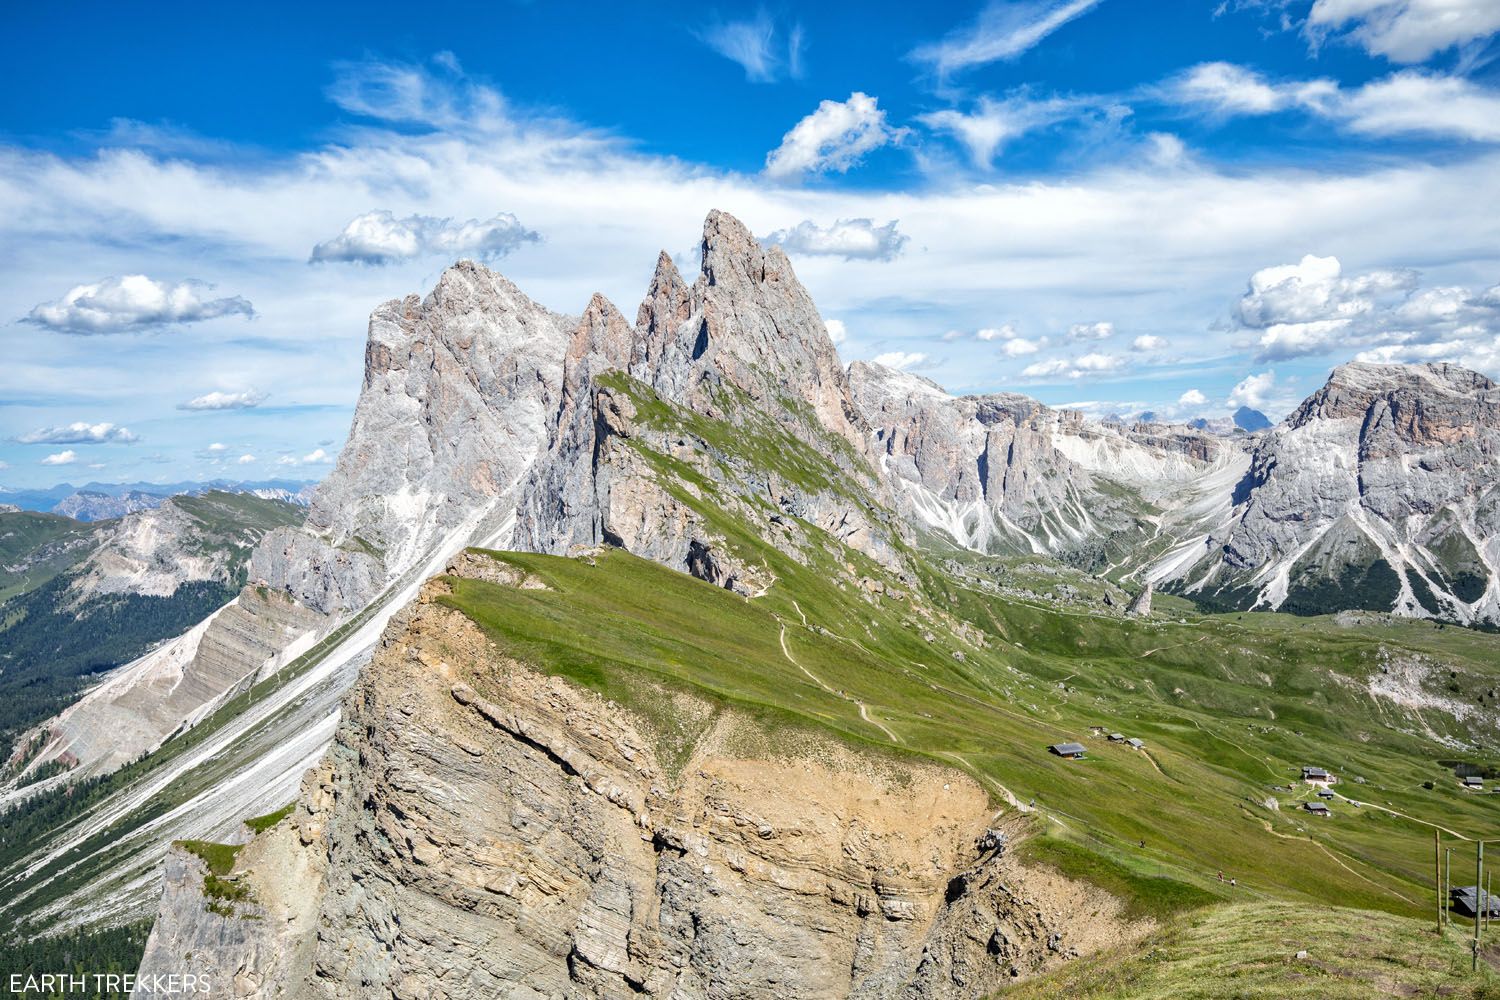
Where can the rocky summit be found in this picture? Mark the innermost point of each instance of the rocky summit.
(672, 657)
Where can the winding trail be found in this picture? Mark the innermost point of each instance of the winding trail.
(1338, 861)
(864, 712)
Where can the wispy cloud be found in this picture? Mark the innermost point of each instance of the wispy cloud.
(991, 123)
(851, 239)
(1409, 102)
(1002, 31)
(134, 302)
(381, 238)
(759, 45)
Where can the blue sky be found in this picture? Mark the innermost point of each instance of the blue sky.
(1175, 206)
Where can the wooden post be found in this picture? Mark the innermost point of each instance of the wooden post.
(1437, 865)
(1447, 886)
(1478, 882)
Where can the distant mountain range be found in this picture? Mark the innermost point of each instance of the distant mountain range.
(101, 501)
(574, 769)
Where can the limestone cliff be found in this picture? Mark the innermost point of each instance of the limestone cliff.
(1379, 491)
(482, 829)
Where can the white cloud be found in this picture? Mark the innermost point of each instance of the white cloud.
(67, 457)
(1311, 307)
(217, 447)
(442, 97)
(1020, 346)
(1192, 398)
(837, 331)
(134, 302)
(899, 359)
(1229, 89)
(1405, 103)
(1412, 103)
(991, 124)
(315, 457)
(1404, 31)
(1002, 31)
(1148, 342)
(851, 239)
(833, 138)
(1093, 363)
(1091, 331)
(225, 401)
(1253, 391)
(80, 432)
(755, 44)
(381, 238)
(1003, 332)
(245, 459)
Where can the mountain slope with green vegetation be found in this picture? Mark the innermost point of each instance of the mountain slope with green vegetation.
(132, 584)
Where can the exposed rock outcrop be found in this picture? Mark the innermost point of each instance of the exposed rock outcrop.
(1381, 491)
(1003, 473)
(482, 829)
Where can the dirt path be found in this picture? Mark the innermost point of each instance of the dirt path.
(1179, 645)
(864, 712)
(1338, 861)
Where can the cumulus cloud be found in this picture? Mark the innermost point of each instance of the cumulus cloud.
(225, 401)
(1312, 308)
(900, 359)
(134, 302)
(315, 457)
(835, 137)
(1012, 344)
(756, 44)
(381, 238)
(1091, 331)
(80, 432)
(1003, 30)
(1192, 398)
(1253, 391)
(67, 457)
(851, 239)
(1404, 31)
(1093, 363)
(837, 331)
(1148, 343)
(245, 459)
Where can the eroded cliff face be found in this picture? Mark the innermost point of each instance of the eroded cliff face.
(1004, 473)
(1390, 467)
(482, 829)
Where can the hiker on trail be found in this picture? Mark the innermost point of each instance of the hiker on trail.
(1221, 876)
(1143, 845)
(1233, 882)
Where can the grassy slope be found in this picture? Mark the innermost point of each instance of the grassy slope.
(1249, 951)
(1230, 706)
(26, 536)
